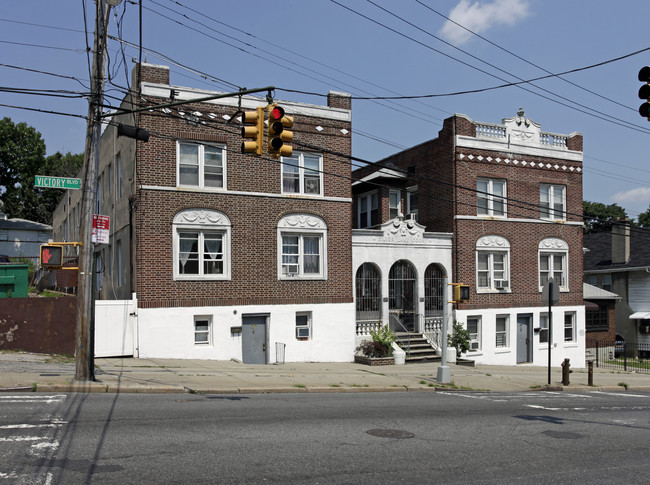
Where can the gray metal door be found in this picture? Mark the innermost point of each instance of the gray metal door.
(253, 342)
(524, 338)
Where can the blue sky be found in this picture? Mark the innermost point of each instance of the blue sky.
(369, 48)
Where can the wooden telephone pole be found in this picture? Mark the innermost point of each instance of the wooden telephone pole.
(84, 349)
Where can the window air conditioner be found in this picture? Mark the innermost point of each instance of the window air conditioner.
(302, 332)
(473, 346)
(501, 284)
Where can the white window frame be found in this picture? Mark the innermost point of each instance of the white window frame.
(412, 212)
(202, 221)
(543, 326)
(491, 247)
(302, 226)
(207, 332)
(201, 165)
(474, 337)
(503, 335)
(303, 330)
(302, 173)
(548, 195)
(371, 199)
(571, 327)
(487, 193)
(552, 248)
(394, 210)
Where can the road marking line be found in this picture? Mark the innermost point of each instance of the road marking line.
(27, 426)
(619, 394)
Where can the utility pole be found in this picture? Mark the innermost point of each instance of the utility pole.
(84, 357)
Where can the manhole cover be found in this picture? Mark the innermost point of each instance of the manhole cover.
(564, 435)
(390, 433)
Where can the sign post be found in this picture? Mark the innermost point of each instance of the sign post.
(550, 297)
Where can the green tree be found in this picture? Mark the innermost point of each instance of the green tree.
(599, 217)
(22, 156)
(644, 218)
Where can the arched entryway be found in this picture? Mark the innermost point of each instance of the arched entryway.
(402, 297)
(368, 298)
(434, 302)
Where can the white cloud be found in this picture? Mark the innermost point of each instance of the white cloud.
(634, 200)
(481, 16)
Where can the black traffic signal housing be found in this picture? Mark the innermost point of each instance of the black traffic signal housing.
(461, 292)
(254, 131)
(644, 92)
(279, 135)
(51, 256)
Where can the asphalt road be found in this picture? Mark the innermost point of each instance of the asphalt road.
(429, 437)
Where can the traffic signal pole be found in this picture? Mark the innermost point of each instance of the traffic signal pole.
(85, 295)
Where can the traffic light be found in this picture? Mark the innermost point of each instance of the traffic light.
(51, 256)
(461, 292)
(644, 92)
(255, 131)
(279, 136)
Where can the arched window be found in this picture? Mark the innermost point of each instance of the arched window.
(368, 293)
(492, 264)
(201, 245)
(302, 247)
(553, 262)
(434, 280)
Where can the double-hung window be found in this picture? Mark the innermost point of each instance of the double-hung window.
(302, 247)
(201, 245)
(543, 325)
(553, 262)
(368, 210)
(474, 329)
(202, 330)
(569, 326)
(201, 165)
(492, 264)
(552, 201)
(302, 174)
(502, 324)
(303, 325)
(412, 203)
(491, 197)
(395, 203)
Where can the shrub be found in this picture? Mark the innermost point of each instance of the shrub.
(373, 349)
(459, 339)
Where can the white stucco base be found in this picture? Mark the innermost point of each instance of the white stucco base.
(169, 332)
(490, 354)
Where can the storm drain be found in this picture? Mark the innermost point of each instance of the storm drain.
(390, 433)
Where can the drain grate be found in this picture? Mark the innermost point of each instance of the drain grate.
(390, 433)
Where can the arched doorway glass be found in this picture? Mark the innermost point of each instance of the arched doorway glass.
(402, 297)
(368, 298)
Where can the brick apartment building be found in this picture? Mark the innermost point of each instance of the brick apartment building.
(229, 255)
(511, 195)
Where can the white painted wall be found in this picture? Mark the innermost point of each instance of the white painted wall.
(490, 354)
(169, 332)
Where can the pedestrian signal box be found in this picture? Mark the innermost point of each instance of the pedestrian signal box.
(51, 256)
(461, 292)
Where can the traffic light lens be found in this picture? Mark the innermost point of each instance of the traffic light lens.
(277, 113)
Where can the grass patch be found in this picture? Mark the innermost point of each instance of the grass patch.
(335, 385)
(624, 385)
(359, 385)
(300, 386)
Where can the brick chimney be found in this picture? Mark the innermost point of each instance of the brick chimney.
(621, 242)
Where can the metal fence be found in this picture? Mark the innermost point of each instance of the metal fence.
(620, 355)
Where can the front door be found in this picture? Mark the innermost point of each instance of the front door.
(253, 342)
(524, 338)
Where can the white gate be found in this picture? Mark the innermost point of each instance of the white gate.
(115, 328)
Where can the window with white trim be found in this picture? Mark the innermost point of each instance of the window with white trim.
(501, 333)
(474, 329)
(395, 203)
(201, 245)
(201, 165)
(303, 325)
(552, 202)
(202, 330)
(367, 210)
(569, 326)
(543, 325)
(302, 247)
(412, 203)
(492, 264)
(302, 174)
(491, 197)
(553, 259)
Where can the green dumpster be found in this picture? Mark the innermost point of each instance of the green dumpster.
(13, 280)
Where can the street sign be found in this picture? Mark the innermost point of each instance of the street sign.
(553, 293)
(101, 226)
(50, 182)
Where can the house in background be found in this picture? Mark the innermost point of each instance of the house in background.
(619, 261)
(511, 196)
(229, 255)
(20, 238)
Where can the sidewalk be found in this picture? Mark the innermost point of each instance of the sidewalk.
(44, 373)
